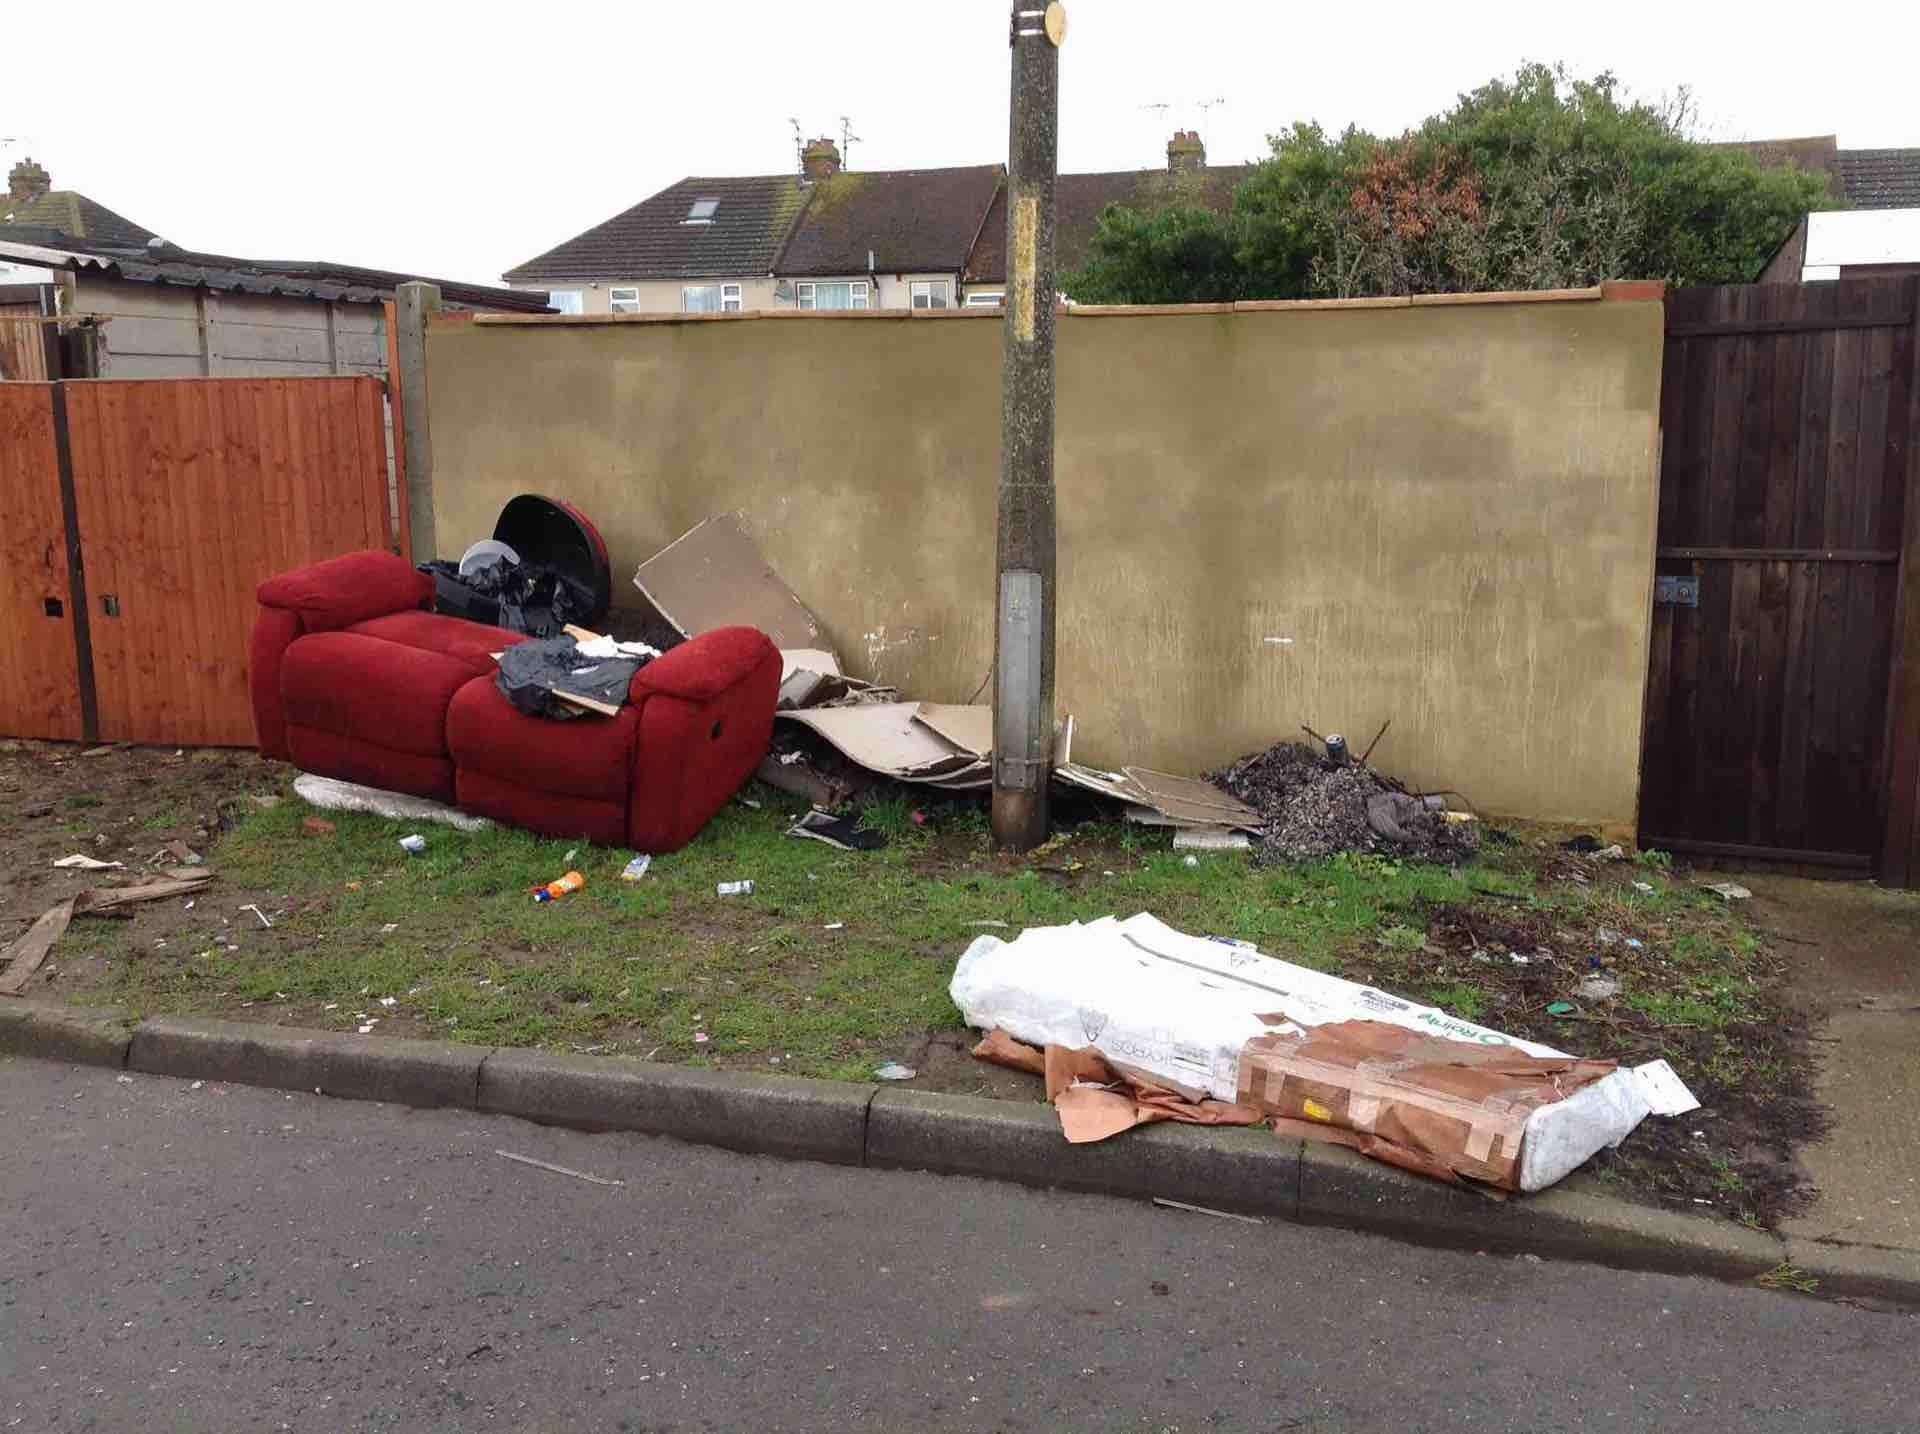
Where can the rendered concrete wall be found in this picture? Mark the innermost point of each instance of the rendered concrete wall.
(1440, 514)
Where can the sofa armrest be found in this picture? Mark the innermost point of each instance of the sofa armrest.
(705, 722)
(274, 630)
(705, 666)
(339, 592)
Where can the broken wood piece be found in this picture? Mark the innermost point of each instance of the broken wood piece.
(884, 738)
(1191, 800)
(106, 898)
(802, 780)
(26, 954)
(970, 728)
(713, 575)
(589, 704)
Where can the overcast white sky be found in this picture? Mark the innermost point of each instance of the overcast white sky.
(458, 140)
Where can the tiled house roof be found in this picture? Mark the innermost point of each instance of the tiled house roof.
(71, 214)
(1859, 178)
(1879, 178)
(909, 220)
(950, 220)
(655, 240)
(1080, 199)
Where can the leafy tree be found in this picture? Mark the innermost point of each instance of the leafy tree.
(1183, 254)
(1540, 181)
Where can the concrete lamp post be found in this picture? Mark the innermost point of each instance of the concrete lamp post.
(1023, 640)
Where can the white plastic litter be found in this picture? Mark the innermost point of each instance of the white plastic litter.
(1664, 1090)
(604, 646)
(1731, 890)
(487, 550)
(332, 795)
(1180, 1008)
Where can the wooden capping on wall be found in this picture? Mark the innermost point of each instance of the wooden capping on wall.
(1613, 291)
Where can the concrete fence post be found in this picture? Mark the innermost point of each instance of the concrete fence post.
(414, 304)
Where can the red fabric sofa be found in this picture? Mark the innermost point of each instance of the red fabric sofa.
(353, 677)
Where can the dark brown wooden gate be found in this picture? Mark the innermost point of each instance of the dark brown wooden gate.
(1782, 713)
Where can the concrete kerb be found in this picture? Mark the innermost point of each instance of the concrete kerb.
(54, 1032)
(1238, 1170)
(418, 1073)
(763, 1115)
(1339, 1187)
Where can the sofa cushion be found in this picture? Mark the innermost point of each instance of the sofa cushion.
(352, 588)
(376, 691)
(473, 643)
(589, 757)
(354, 759)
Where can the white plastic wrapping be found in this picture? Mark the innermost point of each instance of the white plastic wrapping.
(1180, 1008)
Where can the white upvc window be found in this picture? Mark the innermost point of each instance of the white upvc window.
(623, 301)
(729, 298)
(566, 301)
(928, 293)
(985, 301)
(840, 294)
(700, 299)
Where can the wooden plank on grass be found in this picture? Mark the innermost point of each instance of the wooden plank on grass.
(26, 955)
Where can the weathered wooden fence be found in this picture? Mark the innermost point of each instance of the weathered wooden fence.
(142, 515)
(24, 334)
(1783, 693)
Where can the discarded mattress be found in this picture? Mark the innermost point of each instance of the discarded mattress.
(1218, 1020)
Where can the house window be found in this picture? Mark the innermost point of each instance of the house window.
(702, 211)
(985, 301)
(842, 295)
(623, 301)
(567, 301)
(729, 298)
(929, 293)
(700, 299)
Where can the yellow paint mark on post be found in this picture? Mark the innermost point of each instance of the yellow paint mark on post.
(1026, 242)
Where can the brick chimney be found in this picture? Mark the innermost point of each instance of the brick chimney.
(1185, 153)
(820, 159)
(26, 182)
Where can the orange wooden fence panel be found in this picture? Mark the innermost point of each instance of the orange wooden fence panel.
(39, 683)
(23, 342)
(190, 492)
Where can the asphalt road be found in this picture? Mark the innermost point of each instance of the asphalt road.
(220, 1258)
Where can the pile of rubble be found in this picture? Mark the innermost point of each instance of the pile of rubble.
(1314, 805)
